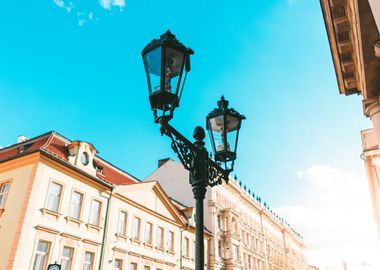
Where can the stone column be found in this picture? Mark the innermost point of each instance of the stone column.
(372, 110)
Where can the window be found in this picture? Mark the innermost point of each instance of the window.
(42, 254)
(218, 221)
(220, 249)
(235, 252)
(186, 247)
(171, 241)
(54, 197)
(148, 233)
(118, 264)
(95, 212)
(146, 267)
(122, 223)
(67, 258)
(4, 188)
(88, 261)
(76, 205)
(160, 237)
(133, 266)
(136, 228)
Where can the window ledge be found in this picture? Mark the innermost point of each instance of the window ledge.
(170, 252)
(73, 220)
(50, 213)
(121, 236)
(160, 249)
(148, 244)
(136, 241)
(93, 227)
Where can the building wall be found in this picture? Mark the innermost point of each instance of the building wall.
(371, 157)
(56, 227)
(18, 173)
(271, 244)
(26, 220)
(148, 208)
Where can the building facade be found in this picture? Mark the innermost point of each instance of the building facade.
(246, 233)
(353, 32)
(60, 202)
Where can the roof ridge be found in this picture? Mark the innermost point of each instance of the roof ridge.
(28, 141)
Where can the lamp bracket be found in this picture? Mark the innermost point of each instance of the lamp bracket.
(194, 157)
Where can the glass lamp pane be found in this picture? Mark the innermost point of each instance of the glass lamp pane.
(173, 69)
(153, 62)
(232, 123)
(217, 123)
(216, 127)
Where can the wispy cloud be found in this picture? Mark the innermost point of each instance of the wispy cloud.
(68, 7)
(84, 17)
(108, 4)
(337, 221)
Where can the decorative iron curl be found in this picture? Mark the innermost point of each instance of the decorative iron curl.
(216, 175)
(179, 146)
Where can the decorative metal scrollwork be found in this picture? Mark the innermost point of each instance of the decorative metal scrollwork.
(216, 175)
(186, 151)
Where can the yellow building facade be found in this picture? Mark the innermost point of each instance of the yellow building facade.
(60, 202)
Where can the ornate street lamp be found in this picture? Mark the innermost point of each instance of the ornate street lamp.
(223, 124)
(165, 60)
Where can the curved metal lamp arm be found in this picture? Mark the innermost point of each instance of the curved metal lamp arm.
(181, 146)
(187, 152)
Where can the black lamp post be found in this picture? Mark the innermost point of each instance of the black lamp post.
(165, 61)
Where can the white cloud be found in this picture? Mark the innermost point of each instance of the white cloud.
(108, 4)
(60, 3)
(337, 221)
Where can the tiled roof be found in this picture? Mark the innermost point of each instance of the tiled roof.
(56, 145)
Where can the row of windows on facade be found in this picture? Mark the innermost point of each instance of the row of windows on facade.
(42, 255)
(54, 199)
(53, 202)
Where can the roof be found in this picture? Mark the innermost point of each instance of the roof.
(55, 145)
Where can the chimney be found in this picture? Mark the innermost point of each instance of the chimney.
(162, 161)
(22, 138)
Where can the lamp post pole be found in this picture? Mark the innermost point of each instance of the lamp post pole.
(165, 59)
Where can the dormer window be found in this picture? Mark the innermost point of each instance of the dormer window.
(84, 158)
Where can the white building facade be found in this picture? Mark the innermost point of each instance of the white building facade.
(246, 234)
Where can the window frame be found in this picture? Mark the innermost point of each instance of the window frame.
(99, 212)
(150, 233)
(186, 247)
(118, 260)
(47, 254)
(53, 181)
(92, 259)
(138, 236)
(81, 205)
(135, 266)
(72, 255)
(171, 239)
(8, 181)
(121, 213)
(161, 246)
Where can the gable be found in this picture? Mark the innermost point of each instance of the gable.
(150, 200)
(152, 197)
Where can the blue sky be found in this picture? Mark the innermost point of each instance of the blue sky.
(75, 67)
